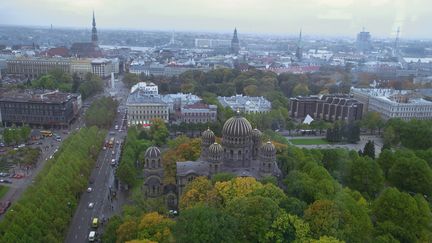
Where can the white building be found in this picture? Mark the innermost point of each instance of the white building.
(146, 88)
(390, 103)
(179, 100)
(247, 104)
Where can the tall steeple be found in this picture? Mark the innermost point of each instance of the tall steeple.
(299, 51)
(94, 38)
(235, 43)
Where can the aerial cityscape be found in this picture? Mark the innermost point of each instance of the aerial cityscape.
(197, 121)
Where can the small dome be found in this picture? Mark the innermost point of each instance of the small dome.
(152, 152)
(268, 149)
(256, 134)
(215, 148)
(208, 135)
(237, 126)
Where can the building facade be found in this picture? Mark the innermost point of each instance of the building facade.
(102, 67)
(246, 104)
(48, 109)
(33, 67)
(390, 103)
(241, 153)
(198, 113)
(143, 108)
(328, 107)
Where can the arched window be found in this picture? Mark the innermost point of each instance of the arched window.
(153, 163)
(231, 154)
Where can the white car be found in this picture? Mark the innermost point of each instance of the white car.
(113, 152)
(104, 148)
(89, 189)
(91, 205)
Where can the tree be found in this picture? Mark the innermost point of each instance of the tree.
(288, 228)
(127, 231)
(323, 216)
(109, 235)
(366, 176)
(301, 89)
(25, 132)
(130, 79)
(411, 174)
(196, 193)
(254, 215)
(205, 224)
(155, 227)
(369, 149)
(386, 161)
(404, 218)
(390, 136)
(372, 121)
(159, 132)
(236, 188)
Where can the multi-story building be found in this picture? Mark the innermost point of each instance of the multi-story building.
(327, 107)
(198, 113)
(391, 103)
(143, 108)
(146, 88)
(212, 43)
(102, 67)
(33, 67)
(81, 66)
(44, 109)
(176, 101)
(246, 104)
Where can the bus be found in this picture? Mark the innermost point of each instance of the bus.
(111, 142)
(46, 133)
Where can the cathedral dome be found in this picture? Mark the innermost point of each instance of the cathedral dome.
(152, 152)
(208, 135)
(237, 127)
(215, 149)
(256, 134)
(268, 149)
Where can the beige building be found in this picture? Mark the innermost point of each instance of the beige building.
(102, 67)
(81, 66)
(33, 66)
(143, 108)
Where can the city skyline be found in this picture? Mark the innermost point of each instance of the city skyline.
(315, 17)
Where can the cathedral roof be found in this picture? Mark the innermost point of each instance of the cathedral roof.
(268, 149)
(208, 135)
(237, 126)
(152, 152)
(215, 148)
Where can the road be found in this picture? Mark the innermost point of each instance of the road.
(102, 182)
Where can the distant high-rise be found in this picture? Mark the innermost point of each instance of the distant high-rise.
(299, 50)
(363, 43)
(235, 43)
(94, 37)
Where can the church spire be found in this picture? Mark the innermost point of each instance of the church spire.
(235, 43)
(299, 51)
(94, 38)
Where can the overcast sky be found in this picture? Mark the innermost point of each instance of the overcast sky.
(315, 17)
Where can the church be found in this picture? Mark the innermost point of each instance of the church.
(87, 49)
(242, 153)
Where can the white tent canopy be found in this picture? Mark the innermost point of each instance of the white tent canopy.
(308, 119)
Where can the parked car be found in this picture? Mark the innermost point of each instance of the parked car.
(5, 181)
(89, 189)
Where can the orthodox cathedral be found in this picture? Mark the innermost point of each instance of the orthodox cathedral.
(241, 153)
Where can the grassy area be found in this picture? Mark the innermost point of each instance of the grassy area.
(305, 141)
(3, 191)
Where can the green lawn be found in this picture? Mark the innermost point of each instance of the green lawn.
(306, 141)
(3, 191)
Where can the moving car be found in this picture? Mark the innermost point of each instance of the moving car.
(89, 189)
(95, 222)
(92, 236)
(91, 205)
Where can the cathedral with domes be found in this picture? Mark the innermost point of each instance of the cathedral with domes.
(242, 153)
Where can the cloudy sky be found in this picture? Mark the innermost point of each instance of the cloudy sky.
(316, 17)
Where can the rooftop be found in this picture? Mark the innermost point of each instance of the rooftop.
(37, 96)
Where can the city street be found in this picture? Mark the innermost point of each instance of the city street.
(102, 181)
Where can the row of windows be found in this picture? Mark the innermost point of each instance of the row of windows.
(150, 112)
